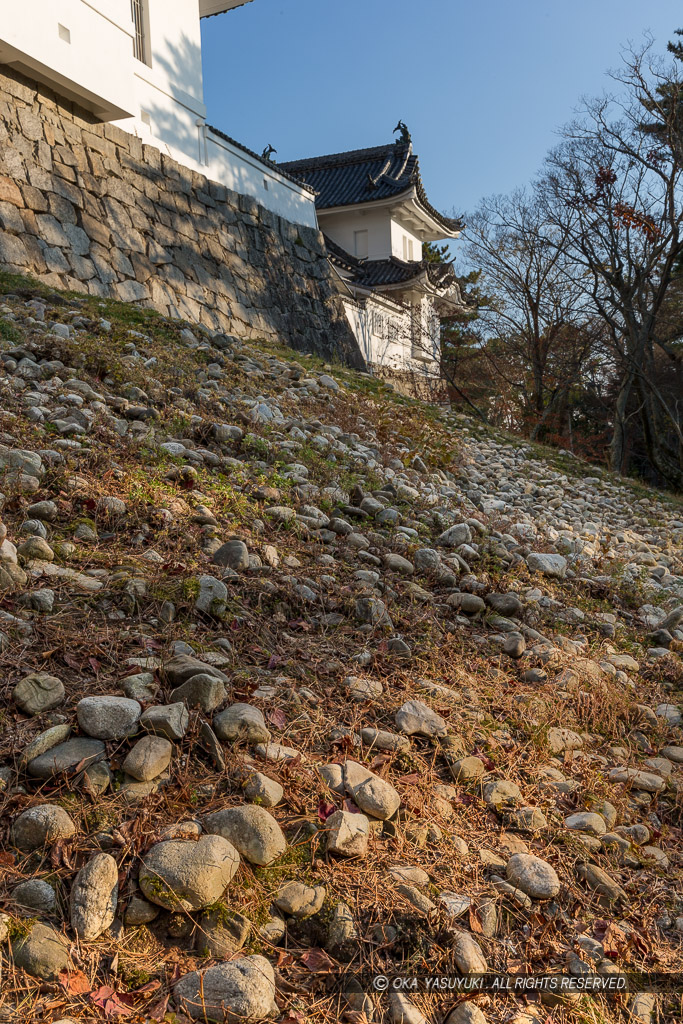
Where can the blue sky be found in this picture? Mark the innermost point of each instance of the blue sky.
(483, 85)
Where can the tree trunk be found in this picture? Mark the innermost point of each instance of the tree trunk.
(617, 443)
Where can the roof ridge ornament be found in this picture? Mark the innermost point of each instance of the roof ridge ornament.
(267, 153)
(402, 127)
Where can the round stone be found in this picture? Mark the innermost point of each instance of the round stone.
(533, 876)
(41, 826)
(108, 718)
(183, 875)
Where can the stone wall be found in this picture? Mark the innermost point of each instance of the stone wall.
(86, 206)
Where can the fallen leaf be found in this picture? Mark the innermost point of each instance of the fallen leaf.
(109, 1000)
(75, 982)
(614, 941)
(277, 717)
(379, 760)
(325, 810)
(317, 961)
(475, 921)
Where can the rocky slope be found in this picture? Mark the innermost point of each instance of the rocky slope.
(304, 681)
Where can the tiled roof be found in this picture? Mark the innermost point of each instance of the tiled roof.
(267, 164)
(378, 273)
(366, 176)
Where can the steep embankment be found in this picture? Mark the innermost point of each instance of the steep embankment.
(306, 676)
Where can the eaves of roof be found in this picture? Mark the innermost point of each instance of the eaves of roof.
(368, 176)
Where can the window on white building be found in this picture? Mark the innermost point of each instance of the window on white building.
(410, 248)
(140, 21)
(360, 242)
(405, 247)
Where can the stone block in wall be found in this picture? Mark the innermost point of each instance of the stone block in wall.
(99, 144)
(30, 223)
(31, 125)
(157, 254)
(10, 219)
(55, 259)
(10, 192)
(121, 263)
(34, 251)
(96, 287)
(68, 156)
(62, 209)
(79, 243)
(34, 199)
(82, 267)
(95, 229)
(13, 87)
(105, 271)
(51, 230)
(152, 157)
(74, 285)
(131, 291)
(39, 178)
(142, 267)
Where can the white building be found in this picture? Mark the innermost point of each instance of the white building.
(375, 214)
(138, 64)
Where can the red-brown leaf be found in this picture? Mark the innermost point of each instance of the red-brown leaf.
(317, 961)
(277, 717)
(75, 982)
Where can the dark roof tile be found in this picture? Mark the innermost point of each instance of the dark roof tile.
(366, 176)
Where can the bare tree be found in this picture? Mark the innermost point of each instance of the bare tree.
(535, 328)
(613, 193)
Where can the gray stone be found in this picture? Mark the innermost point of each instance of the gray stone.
(140, 911)
(35, 895)
(183, 666)
(636, 779)
(241, 722)
(373, 795)
(381, 739)
(234, 554)
(341, 930)
(43, 952)
(221, 932)
(168, 720)
(212, 599)
(586, 821)
(467, 769)
(94, 895)
(108, 718)
(41, 826)
(204, 690)
(65, 756)
(241, 990)
(501, 794)
(38, 692)
(469, 1013)
(347, 834)
(261, 790)
(468, 955)
(253, 832)
(299, 900)
(554, 566)
(183, 875)
(600, 882)
(416, 718)
(149, 758)
(454, 536)
(533, 876)
(43, 742)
